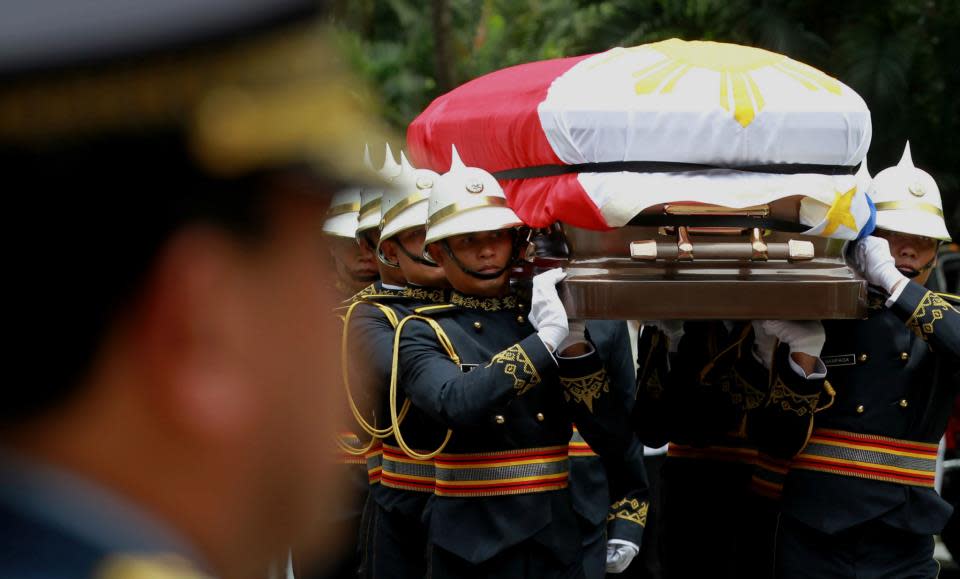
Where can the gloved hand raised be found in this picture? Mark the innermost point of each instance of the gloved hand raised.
(871, 257)
(619, 555)
(547, 313)
(805, 340)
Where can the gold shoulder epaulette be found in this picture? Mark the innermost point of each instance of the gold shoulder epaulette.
(434, 309)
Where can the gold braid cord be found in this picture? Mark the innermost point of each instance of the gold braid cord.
(448, 347)
(585, 389)
(632, 510)
(515, 363)
(368, 428)
(930, 311)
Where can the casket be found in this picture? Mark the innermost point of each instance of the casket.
(684, 179)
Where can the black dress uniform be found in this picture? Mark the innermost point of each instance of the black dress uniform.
(589, 484)
(714, 403)
(859, 500)
(393, 539)
(501, 506)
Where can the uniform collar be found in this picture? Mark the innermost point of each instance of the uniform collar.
(426, 294)
(382, 290)
(508, 302)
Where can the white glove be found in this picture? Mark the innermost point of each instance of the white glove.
(672, 329)
(619, 555)
(803, 337)
(871, 256)
(577, 335)
(547, 313)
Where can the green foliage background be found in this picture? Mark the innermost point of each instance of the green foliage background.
(902, 56)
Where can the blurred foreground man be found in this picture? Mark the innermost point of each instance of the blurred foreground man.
(172, 305)
(859, 501)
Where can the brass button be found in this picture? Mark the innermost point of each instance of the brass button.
(860, 409)
(904, 403)
(520, 319)
(499, 419)
(539, 416)
(904, 356)
(477, 325)
(863, 358)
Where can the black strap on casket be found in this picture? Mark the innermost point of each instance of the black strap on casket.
(668, 167)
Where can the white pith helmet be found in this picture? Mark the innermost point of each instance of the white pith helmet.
(342, 216)
(371, 196)
(863, 177)
(908, 200)
(467, 200)
(404, 203)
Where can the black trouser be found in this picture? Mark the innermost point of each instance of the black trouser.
(396, 547)
(871, 550)
(526, 560)
(594, 548)
(712, 524)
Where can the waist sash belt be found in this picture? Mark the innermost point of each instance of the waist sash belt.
(869, 457)
(579, 446)
(344, 457)
(374, 458)
(512, 472)
(732, 453)
(402, 472)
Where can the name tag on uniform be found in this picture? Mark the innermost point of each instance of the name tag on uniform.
(839, 360)
(467, 367)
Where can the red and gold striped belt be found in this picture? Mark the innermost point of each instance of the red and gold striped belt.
(402, 472)
(512, 472)
(724, 453)
(870, 457)
(344, 457)
(579, 446)
(374, 459)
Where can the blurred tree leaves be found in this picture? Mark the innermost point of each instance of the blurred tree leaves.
(902, 56)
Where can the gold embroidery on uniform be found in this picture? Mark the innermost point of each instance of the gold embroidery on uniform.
(753, 397)
(423, 294)
(516, 364)
(486, 304)
(585, 389)
(790, 401)
(629, 510)
(929, 311)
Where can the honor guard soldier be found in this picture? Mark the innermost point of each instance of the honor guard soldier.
(610, 542)
(703, 388)
(174, 307)
(395, 540)
(859, 501)
(354, 262)
(483, 365)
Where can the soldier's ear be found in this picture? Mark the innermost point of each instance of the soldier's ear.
(390, 251)
(436, 254)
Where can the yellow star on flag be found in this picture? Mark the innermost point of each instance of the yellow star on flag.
(839, 213)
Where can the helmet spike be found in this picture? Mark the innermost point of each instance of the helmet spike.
(366, 157)
(404, 163)
(907, 159)
(455, 161)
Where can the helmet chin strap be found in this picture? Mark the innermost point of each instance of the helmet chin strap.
(414, 258)
(913, 273)
(477, 274)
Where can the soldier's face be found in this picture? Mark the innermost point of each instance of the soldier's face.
(485, 252)
(417, 273)
(911, 252)
(354, 263)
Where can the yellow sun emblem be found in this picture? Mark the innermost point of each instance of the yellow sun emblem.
(839, 213)
(735, 63)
